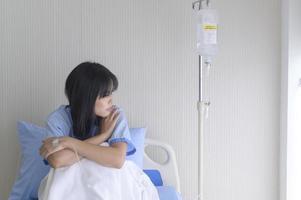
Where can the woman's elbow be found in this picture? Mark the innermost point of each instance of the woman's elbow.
(54, 162)
(120, 162)
(55, 166)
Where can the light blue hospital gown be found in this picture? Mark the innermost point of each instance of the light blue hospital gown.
(59, 123)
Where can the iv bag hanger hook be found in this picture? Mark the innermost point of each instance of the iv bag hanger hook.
(200, 4)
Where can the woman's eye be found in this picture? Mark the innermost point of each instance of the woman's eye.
(108, 94)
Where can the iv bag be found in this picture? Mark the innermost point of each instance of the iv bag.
(207, 21)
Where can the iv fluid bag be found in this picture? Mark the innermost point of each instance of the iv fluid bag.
(207, 21)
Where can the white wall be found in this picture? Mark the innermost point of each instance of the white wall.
(149, 45)
(284, 101)
(242, 142)
(291, 106)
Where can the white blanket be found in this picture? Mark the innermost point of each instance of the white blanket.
(87, 180)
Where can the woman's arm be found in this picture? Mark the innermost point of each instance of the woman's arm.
(107, 156)
(113, 156)
(67, 157)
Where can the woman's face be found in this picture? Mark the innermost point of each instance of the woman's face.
(103, 106)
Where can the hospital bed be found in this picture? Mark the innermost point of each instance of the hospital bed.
(165, 175)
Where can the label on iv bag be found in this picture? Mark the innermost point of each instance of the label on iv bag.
(210, 33)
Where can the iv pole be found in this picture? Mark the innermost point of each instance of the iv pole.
(202, 107)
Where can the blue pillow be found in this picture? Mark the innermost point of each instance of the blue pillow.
(138, 137)
(32, 168)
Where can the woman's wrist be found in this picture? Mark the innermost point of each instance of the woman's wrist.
(97, 139)
(102, 137)
(71, 143)
(68, 142)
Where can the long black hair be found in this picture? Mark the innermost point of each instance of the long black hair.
(87, 82)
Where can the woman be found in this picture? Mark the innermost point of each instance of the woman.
(79, 129)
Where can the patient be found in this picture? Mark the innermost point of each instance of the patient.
(76, 148)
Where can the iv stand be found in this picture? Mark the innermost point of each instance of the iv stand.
(202, 107)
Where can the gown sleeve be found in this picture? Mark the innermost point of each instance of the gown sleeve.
(58, 123)
(121, 133)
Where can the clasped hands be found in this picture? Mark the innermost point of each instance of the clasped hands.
(53, 144)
